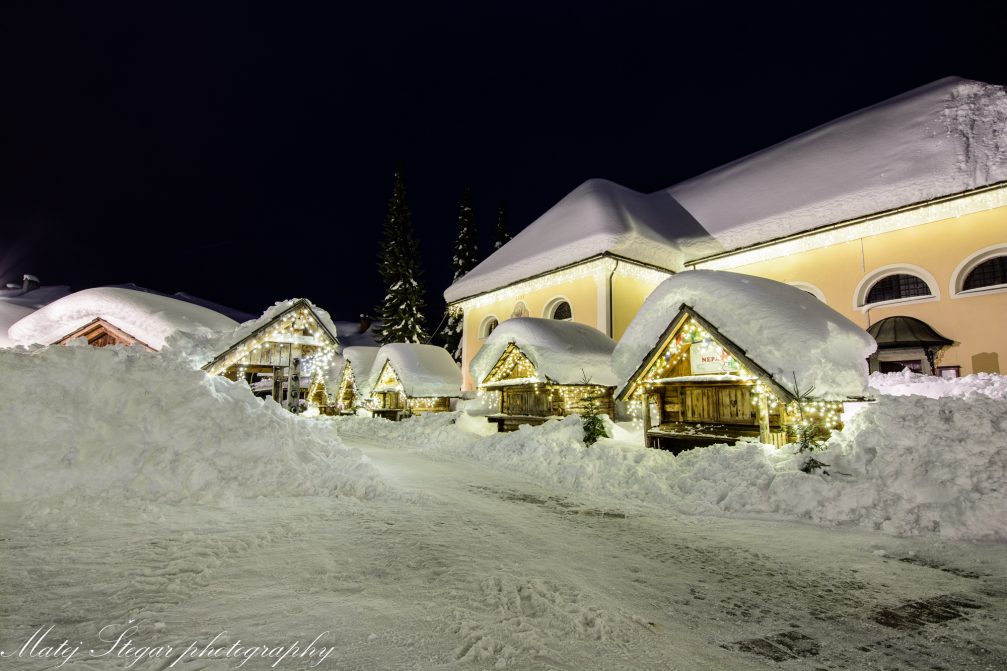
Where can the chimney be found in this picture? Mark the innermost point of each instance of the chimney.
(30, 282)
(365, 323)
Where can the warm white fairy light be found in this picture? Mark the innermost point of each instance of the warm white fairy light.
(599, 267)
(950, 208)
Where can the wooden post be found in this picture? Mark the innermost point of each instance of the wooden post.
(764, 418)
(646, 417)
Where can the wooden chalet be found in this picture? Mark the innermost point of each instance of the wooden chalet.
(740, 357)
(545, 368)
(282, 354)
(100, 333)
(411, 379)
(698, 388)
(353, 386)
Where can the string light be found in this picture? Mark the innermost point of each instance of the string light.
(944, 208)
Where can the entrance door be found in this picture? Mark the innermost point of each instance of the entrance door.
(736, 406)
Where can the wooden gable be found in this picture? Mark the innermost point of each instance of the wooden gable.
(677, 356)
(271, 344)
(388, 379)
(512, 365)
(99, 333)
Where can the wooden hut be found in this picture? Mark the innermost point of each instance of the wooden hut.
(542, 368)
(106, 316)
(409, 378)
(353, 387)
(739, 357)
(283, 354)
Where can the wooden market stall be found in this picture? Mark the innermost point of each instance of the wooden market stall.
(283, 354)
(353, 388)
(411, 379)
(770, 359)
(542, 368)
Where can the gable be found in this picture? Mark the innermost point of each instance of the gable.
(692, 348)
(270, 343)
(100, 333)
(512, 366)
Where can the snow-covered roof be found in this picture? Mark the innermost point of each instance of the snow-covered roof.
(940, 139)
(361, 361)
(783, 329)
(423, 370)
(595, 218)
(150, 318)
(246, 329)
(561, 351)
(16, 304)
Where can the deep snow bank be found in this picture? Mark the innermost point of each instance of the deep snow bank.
(904, 465)
(909, 383)
(86, 422)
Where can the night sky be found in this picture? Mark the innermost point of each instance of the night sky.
(244, 153)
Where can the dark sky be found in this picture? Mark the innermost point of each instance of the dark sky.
(244, 153)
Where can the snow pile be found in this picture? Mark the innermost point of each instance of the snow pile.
(783, 329)
(909, 383)
(562, 352)
(150, 318)
(16, 304)
(10, 314)
(904, 466)
(940, 139)
(83, 422)
(598, 216)
(422, 370)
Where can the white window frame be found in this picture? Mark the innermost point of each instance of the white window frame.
(878, 274)
(484, 324)
(969, 264)
(551, 305)
(811, 289)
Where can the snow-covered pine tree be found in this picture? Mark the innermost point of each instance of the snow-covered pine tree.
(398, 262)
(464, 259)
(500, 234)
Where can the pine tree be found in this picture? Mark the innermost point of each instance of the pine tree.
(465, 258)
(501, 236)
(398, 262)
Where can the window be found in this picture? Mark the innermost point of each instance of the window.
(487, 327)
(895, 287)
(989, 273)
(562, 311)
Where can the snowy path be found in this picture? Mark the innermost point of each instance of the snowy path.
(462, 566)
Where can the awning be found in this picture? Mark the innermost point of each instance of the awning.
(893, 332)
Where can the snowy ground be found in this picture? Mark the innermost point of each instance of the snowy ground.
(461, 564)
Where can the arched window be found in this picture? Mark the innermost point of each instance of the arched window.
(562, 311)
(895, 287)
(810, 289)
(990, 273)
(486, 328)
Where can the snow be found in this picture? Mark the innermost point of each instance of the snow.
(124, 423)
(150, 318)
(361, 361)
(940, 139)
(903, 465)
(561, 351)
(423, 370)
(783, 329)
(597, 217)
(908, 383)
(228, 340)
(15, 304)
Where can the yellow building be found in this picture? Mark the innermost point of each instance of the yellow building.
(898, 210)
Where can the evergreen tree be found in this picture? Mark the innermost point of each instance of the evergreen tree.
(501, 236)
(398, 262)
(465, 258)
